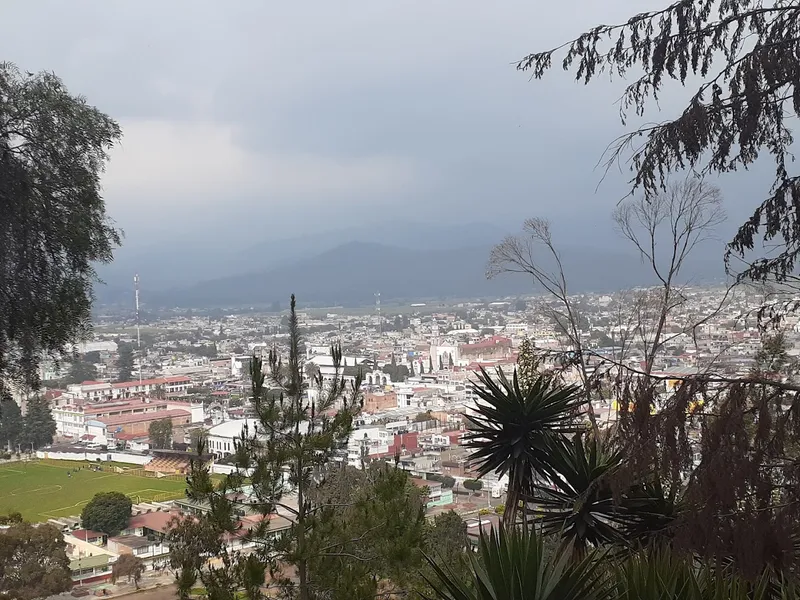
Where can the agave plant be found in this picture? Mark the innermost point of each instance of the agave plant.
(515, 431)
(651, 513)
(512, 565)
(664, 575)
(580, 506)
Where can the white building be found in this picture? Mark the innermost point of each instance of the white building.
(368, 441)
(221, 437)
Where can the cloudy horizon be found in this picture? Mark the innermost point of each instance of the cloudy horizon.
(254, 116)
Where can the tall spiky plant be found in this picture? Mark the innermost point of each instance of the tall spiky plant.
(514, 430)
(294, 445)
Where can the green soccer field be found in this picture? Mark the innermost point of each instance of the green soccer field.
(41, 490)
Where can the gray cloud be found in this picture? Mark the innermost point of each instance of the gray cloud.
(252, 115)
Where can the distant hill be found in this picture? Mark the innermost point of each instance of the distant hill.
(351, 273)
(173, 264)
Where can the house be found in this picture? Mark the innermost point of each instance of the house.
(96, 538)
(150, 524)
(137, 545)
(375, 402)
(90, 569)
(437, 494)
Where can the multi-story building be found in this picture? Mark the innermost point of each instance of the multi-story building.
(124, 416)
(95, 391)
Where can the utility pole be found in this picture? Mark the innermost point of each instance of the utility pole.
(138, 333)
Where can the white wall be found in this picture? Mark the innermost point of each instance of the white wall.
(93, 456)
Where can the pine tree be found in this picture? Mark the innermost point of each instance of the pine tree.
(441, 364)
(40, 427)
(430, 364)
(411, 372)
(421, 368)
(125, 362)
(450, 359)
(11, 423)
(291, 451)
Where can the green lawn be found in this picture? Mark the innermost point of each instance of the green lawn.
(41, 490)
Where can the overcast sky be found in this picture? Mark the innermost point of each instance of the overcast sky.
(251, 114)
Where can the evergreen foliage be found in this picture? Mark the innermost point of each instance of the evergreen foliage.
(54, 228)
(742, 55)
(108, 512)
(33, 561)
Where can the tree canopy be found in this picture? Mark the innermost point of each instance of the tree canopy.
(54, 228)
(33, 562)
(108, 512)
(129, 566)
(124, 361)
(40, 427)
(160, 433)
(741, 56)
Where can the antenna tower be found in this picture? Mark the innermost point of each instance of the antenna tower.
(378, 312)
(138, 333)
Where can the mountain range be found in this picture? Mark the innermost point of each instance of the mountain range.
(401, 262)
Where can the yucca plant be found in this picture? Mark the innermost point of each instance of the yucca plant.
(515, 431)
(651, 514)
(580, 506)
(511, 564)
(664, 575)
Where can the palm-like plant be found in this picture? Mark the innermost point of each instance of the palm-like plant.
(515, 431)
(651, 514)
(512, 565)
(663, 575)
(580, 506)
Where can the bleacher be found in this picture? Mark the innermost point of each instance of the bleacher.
(171, 465)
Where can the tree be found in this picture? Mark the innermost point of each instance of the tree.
(160, 433)
(92, 357)
(33, 562)
(197, 439)
(450, 359)
(160, 392)
(526, 254)
(53, 149)
(372, 523)
(108, 512)
(129, 566)
(683, 215)
(290, 451)
(192, 542)
(423, 417)
(11, 423)
(124, 361)
(80, 371)
(411, 367)
(430, 364)
(421, 368)
(742, 53)
(441, 364)
(40, 427)
(473, 485)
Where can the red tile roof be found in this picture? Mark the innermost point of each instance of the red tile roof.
(157, 521)
(144, 417)
(87, 534)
